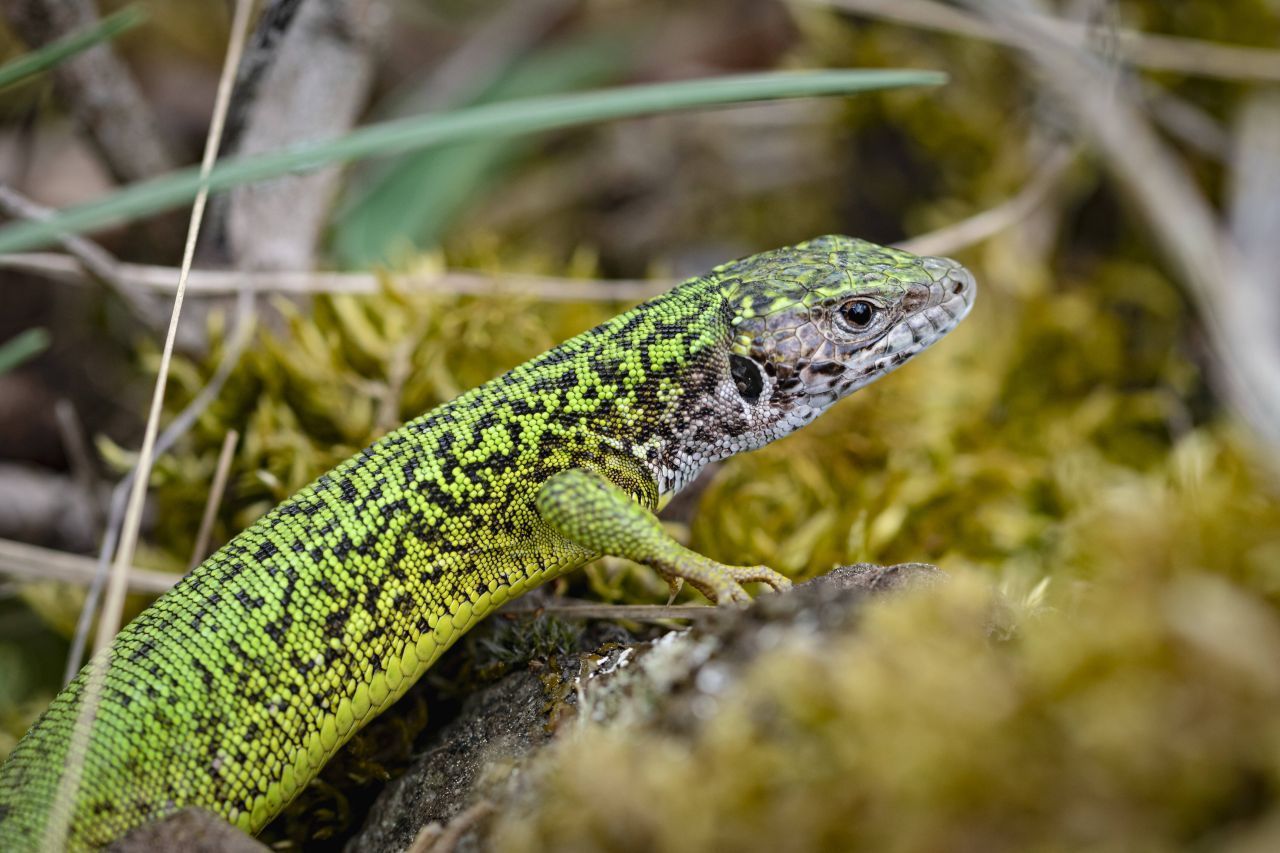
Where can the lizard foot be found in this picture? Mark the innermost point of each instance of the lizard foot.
(722, 584)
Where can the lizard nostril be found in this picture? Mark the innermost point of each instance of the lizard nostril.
(957, 286)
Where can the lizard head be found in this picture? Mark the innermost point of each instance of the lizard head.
(814, 322)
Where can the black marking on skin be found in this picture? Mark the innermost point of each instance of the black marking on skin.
(143, 651)
(746, 377)
(827, 368)
(206, 676)
(370, 602)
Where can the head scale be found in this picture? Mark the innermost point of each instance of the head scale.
(814, 322)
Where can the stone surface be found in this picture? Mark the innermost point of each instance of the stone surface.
(189, 831)
(474, 764)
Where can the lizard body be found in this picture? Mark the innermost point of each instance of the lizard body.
(233, 689)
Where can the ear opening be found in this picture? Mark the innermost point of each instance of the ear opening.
(746, 376)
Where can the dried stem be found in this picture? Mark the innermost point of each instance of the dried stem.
(33, 563)
(1190, 231)
(76, 445)
(216, 489)
(93, 260)
(946, 240)
(988, 223)
(59, 823)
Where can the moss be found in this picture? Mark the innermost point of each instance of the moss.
(1139, 718)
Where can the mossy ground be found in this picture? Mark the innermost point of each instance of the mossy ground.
(1062, 453)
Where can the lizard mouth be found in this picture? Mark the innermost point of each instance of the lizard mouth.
(947, 302)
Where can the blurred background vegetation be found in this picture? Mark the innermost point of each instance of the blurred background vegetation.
(1093, 447)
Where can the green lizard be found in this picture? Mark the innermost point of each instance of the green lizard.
(233, 689)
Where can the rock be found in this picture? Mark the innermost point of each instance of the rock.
(474, 764)
(191, 830)
(495, 727)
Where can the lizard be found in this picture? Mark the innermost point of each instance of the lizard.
(234, 688)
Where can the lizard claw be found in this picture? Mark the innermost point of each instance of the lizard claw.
(760, 574)
(675, 584)
(722, 585)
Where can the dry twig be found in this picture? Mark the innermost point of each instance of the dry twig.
(988, 223)
(572, 609)
(219, 485)
(33, 563)
(76, 445)
(225, 282)
(946, 240)
(238, 341)
(93, 260)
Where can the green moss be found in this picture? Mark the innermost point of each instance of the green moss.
(1140, 718)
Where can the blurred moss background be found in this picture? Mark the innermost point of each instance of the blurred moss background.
(1063, 452)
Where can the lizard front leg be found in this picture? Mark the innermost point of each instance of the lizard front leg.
(592, 512)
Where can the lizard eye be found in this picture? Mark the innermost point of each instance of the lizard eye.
(746, 375)
(859, 313)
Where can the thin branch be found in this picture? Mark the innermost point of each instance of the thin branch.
(76, 445)
(220, 474)
(1194, 57)
(225, 282)
(109, 620)
(633, 612)
(950, 238)
(33, 563)
(59, 822)
(1189, 229)
(99, 264)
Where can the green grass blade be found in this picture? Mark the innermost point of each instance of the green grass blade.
(22, 347)
(510, 118)
(55, 52)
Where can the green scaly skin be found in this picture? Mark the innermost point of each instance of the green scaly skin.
(233, 690)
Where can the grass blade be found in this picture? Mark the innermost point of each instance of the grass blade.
(21, 347)
(413, 202)
(55, 52)
(507, 119)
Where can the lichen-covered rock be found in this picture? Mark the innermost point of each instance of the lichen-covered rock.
(496, 727)
(191, 830)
